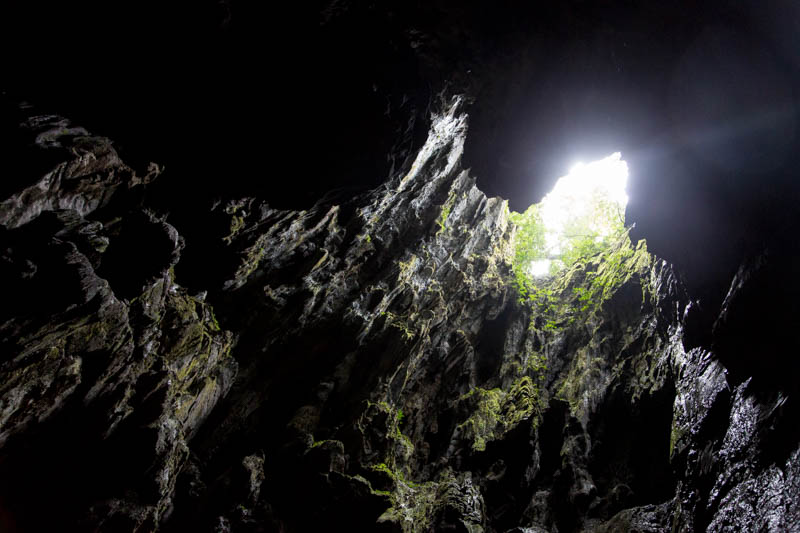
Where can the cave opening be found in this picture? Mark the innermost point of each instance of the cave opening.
(323, 313)
(581, 216)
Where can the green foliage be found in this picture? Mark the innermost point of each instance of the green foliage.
(584, 297)
(582, 236)
(592, 231)
(529, 246)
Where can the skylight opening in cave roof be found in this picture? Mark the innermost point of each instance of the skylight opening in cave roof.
(576, 197)
(586, 204)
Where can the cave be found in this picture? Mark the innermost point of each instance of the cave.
(286, 267)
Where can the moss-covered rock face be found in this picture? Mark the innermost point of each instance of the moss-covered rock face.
(96, 386)
(366, 364)
(149, 370)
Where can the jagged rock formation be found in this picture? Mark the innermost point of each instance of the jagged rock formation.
(364, 364)
(104, 356)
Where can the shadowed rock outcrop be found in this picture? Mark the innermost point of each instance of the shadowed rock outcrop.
(364, 364)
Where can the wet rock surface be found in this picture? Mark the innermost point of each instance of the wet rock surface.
(364, 364)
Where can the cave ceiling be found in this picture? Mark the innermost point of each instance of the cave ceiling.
(294, 101)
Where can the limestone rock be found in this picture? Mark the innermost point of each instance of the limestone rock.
(365, 364)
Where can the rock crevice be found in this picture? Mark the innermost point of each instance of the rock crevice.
(366, 363)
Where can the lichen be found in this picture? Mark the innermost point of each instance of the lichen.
(496, 411)
(444, 214)
(237, 223)
(407, 268)
(413, 505)
(394, 421)
(251, 260)
(609, 270)
(676, 434)
(578, 383)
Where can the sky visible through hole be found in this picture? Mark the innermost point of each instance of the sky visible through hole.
(589, 202)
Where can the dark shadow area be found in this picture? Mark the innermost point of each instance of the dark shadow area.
(289, 101)
(65, 465)
(755, 333)
(490, 344)
(507, 474)
(629, 460)
(231, 97)
(140, 251)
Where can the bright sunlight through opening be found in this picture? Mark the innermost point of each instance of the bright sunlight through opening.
(589, 201)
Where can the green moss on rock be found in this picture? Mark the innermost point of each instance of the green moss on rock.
(496, 411)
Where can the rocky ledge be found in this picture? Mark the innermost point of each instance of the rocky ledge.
(365, 364)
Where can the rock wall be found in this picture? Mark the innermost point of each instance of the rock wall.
(366, 364)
